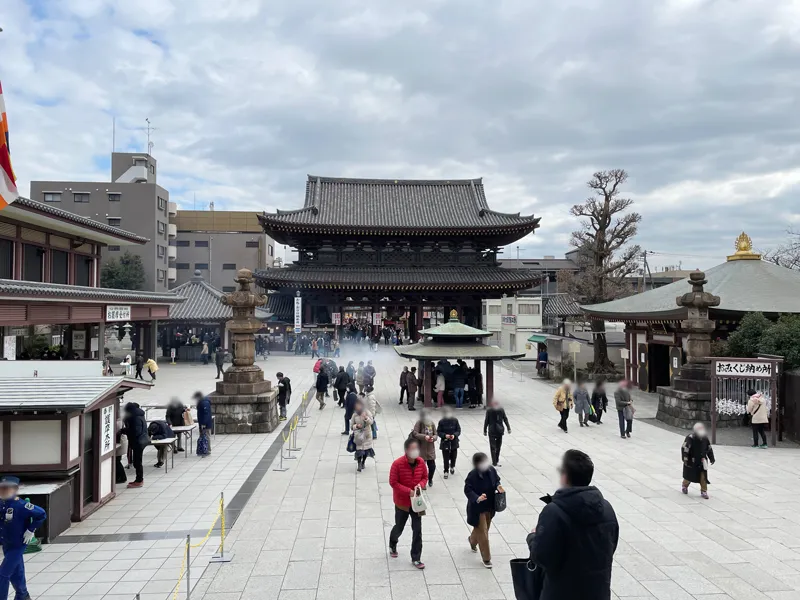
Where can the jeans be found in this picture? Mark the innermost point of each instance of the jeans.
(374, 430)
(480, 535)
(449, 459)
(431, 469)
(583, 416)
(12, 571)
(439, 399)
(459, 395)
(495, 443)
(220, 370)
(282, 409)
(400, 519)
(564, 416)
(403, 392)
(623, 429)
(137, 452)
(321, 398)
(758, 429)
(205, 358)
(347, 422)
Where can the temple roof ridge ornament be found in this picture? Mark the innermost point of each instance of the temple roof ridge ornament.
(744, 249)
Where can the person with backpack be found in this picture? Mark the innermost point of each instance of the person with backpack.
(284, 394)
(349, 407)
(448, 430)
(205, 421)
(480, 487)
(135, 429)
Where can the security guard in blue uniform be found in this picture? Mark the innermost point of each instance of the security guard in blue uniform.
(18, 521)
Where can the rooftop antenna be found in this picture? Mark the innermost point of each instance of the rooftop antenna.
(113, 134)
(211, 206)
(195, 201)
(149, 129)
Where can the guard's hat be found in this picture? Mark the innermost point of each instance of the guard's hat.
(9, 480)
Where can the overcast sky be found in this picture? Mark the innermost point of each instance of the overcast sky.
(697, 99)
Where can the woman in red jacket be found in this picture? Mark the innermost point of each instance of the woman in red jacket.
(407, 473)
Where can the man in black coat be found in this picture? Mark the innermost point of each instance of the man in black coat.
(139, 366)
(219, 360)
(340, 384)
(284, 394)
(349, 406)
(135, 429)
(448, 430)
(576, 536)
(174, 416)
(322, 387)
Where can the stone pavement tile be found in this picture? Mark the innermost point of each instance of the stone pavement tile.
(624, 584)
(302, 575)
(100, 588)
(262, 588)
(480, 584)
(308, 549)
(312, 528)
(782, 595)
(271, 562)
(232, 577)
(666, 590)
(281, 539)
(159, 587)
(755, 576)
(338, 560)
(447, 592)
(340, 537)
(287, 520)
(644, 569)
(409, 585)
(296, 595)
(738, 588)
(371, 572)
(371, 592)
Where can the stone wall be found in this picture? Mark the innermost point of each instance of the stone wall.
(683, 409)
(245, 414)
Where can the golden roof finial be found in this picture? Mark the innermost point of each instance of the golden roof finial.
(744, 249)
(454, 314)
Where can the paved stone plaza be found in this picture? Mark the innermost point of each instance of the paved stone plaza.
(318, 531)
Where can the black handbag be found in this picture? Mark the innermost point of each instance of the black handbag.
(351, 444)
(500, 501)
(528, 579)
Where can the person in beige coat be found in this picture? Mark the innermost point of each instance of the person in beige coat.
(759, 417)
(563, 401)
(425, 433)
(361, 426)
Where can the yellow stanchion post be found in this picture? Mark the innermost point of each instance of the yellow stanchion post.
(293, 434)
(188, 567)
(303, 410)
(222, 557)
(281, 468)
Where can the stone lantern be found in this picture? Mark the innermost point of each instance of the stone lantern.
(244, 401)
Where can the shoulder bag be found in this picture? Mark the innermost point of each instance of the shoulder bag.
(500, 503)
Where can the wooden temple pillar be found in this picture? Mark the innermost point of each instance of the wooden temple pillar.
(307, 311)
(489, 381)
(419, 323)
(426, 382)
(375, 328)
(479, 377)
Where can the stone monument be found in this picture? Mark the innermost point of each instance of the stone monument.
(244, 401)
(688, 400)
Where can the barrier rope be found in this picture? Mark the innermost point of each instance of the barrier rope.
(180, 577)
(220, 513)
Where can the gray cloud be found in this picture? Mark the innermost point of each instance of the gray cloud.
(697, 99)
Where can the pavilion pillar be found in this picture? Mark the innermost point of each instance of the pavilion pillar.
(419, 323)
(101, 340)
(479, 379)
(153, 346)
(375, 328)
(489, 381)
(426, 382)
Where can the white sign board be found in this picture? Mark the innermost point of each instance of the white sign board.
(575, 347)
(23, 331)
(107, 429)
(509, 319)
(115, 312)
(745, 369)
(377, 319)
(94, 345)
(624, 354)
(298, 314)
(10, 347)
(79, 340)
(336, 318)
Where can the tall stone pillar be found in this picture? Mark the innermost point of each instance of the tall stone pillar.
(244, 401)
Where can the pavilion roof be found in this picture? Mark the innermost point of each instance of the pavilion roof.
(742, 285)
(11, 288)
(203, 303)
(384, 206)
(431, 349)
(394, 278)
(51, 393)
(454, 329)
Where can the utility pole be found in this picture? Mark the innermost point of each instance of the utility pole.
(149, 130)
(646, 268)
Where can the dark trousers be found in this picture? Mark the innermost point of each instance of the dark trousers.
(152, 375)
(564, 416)
(136, 453)
(431, 469)
(219, 370)
(12, 571)
(314, 354)
(449, 458)
(341, 394)
(495, 443)
(623, 427)
(758, 429)
(403, 392)
(205, 358)
(347, 422)
(400, 519)
(139, 373)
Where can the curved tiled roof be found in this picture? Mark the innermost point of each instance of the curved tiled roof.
(203, 303)
(11, 287)
(561, 305)
(398, 278)
(58, 213)
(389, 204)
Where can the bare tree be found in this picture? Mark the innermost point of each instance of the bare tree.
(606, 255)
(787, 254)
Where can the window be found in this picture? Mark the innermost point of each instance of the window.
(201, 243)
(113, 248)
(32, 262)
(182, 266)
(201, 266)
(83, 270)
(512, 342)
(182, 243)
(161, 274)
(82, 197)
(6, 259)
(153, 169)
(162, 204)
(161, 227)
(483, 310)
(251, 244)
(528, 309)
(59, 266)
(114, 196)
(228, 288)
(494, 309)
(114, 221)
(228, 266)
(161, 251)
(509, 309)
(140, 162)
(271, 250)
(52, 196)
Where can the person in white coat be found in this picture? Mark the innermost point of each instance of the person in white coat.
(361, 426)
(374, 407)
(440, 388)
(759, 417)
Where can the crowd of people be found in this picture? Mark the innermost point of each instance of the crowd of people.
(590, 408)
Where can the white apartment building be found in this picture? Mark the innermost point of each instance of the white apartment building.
(512, 320)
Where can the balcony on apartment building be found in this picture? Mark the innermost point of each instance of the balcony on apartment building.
(173, 209)
(172, 230)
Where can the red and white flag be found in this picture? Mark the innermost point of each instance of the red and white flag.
(8, 186)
